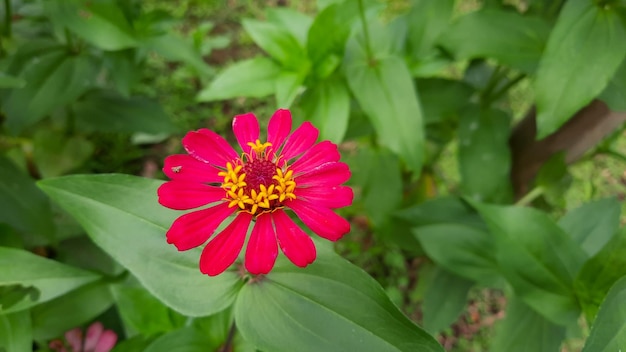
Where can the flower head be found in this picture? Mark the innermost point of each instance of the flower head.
(96, 340)
(287, 171)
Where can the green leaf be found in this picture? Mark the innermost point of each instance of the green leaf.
(7, 81)
(566, 79)
(287, 88)
(53, 318)
(297, 23)
(133, 344)
(15, 332)
(331, 305)
(381, 167)
(12, 294)
(142, 313)
(22, 205)
(100, 22)
(441, 210)
(506, 36)
(537, 258)
(277, 41)
(329, 32)
(383, 88)
(107, 111)
(122, 216)
(49, 277)
(55, 153)
(463, 250)
(593, 224)
(426, 21)
(175, 48)
(253, 78)
(608, 333)
(444, 300)
(484, 156)
(184, 340)
(523, 330)
(600, 273)
(443, 99)
(53, 80)
(327, 106)
(614, 95)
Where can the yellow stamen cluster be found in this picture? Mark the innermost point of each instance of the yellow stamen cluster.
(264, 199)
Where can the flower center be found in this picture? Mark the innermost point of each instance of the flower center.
(257, 184)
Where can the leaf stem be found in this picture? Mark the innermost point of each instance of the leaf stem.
(8, 18)
(366, 34)
(495, 96)
(229, 339)
(530, 196)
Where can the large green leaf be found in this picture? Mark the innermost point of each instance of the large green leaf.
(426, 21)
(248, 78)
(608, 333)
(22, 205)
(7, 81)
(523, 330)
(443, 99)
(442, 210)
(383, 87)
(327, 105)
(296, 22)
(463, 250)
(107, 111)
(614, 95)
(173, 47)
(144, 314)
(572, 71)
(53, 80)
(277, 41)
(331, 305)
(187, 339)
(287, 87)
(593, 224)
(122, 216)
(444, 300)
(15, 332)
(55, 153)
(328, 34)
(49, 277)
(484, 157)
(537, 258)
(75, 308)
(506, 36)
(600, 273)
(100, 22)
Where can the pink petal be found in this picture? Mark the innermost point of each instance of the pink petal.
(329, 174)
(246, 129)
(209, 147)
(294, 242)
(193, 229)
(93, 335)
(75, 338)
(321, 153)
(328, 197)
(321, 220)
(262, 248)
(302, 139)
(222, 251)
(183, 167)
(182, 195)
(279, 128)
(107, 341)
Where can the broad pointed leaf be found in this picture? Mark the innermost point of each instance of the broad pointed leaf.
(608, 333)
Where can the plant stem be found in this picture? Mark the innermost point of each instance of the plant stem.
(530, 196)
(495, 96)
(366, 34)
(229, 339)
(8, 18)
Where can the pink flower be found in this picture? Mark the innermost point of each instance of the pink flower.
(96, 340)
(286, 172)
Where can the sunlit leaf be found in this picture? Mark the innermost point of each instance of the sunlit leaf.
(608, 333)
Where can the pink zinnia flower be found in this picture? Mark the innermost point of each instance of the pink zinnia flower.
(287, 171)
(96, 340)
